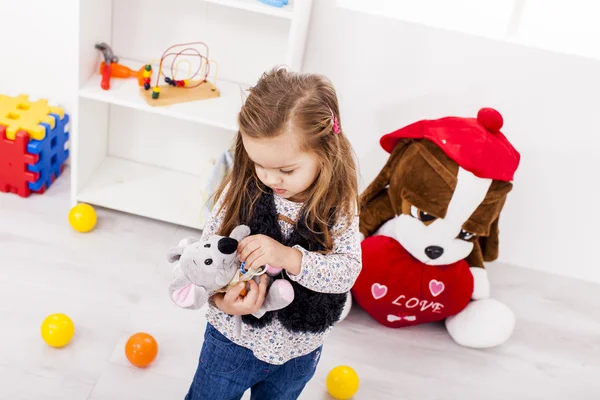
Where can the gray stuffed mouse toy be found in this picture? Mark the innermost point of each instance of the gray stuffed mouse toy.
(207, 267)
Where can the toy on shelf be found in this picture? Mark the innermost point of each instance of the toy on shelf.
(146, 76)
(33, 138)
(110, 68)
(109, 58)
(122, 71)
(195, 86)
(275, 3)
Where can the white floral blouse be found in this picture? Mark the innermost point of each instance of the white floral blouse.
(335, 272)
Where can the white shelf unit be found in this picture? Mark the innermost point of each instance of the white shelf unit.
(154, 161)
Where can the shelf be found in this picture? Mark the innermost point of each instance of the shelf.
(220, 112)
(148, 191)
(129, 161)
(256, 6)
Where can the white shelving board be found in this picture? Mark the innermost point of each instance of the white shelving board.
(220, 112)
(287, 11)
(148, 191)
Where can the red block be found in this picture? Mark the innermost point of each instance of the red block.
(14, 159)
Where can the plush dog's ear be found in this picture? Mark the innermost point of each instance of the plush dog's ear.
(490, 244)
(375, 205)
(174, 253)
(485, 248)
(240, 233)
(383, 179)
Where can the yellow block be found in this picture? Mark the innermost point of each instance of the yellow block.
(18, 113)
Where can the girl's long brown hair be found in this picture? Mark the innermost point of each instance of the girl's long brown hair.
(281, 100)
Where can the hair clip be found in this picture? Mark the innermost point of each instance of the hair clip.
(336, 125)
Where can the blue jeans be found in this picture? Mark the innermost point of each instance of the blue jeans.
(226, 370)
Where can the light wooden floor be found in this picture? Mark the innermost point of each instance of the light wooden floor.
(113, 282)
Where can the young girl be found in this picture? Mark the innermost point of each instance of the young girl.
(294, 183)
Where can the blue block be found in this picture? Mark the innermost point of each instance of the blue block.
(52, 153)
(275, 3)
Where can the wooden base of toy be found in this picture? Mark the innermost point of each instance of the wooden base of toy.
(170, 95)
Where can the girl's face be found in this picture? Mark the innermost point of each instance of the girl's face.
(281, 165)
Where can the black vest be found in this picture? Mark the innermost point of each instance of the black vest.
(310, 311)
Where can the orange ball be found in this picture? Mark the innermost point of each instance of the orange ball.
(141, 349)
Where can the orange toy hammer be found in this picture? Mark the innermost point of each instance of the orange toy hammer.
(109, 59)
(121, 71)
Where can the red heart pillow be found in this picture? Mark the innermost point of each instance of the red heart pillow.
(397, 290)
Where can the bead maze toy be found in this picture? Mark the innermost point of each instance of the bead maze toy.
(33, 138)
(194, 87)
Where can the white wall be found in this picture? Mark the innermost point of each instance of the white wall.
(41, 65)
(389, 73)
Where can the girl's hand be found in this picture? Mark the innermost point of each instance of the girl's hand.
(234, 304)
(259, 250)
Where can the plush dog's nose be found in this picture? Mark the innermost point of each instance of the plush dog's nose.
(227, 245)
(434, 252)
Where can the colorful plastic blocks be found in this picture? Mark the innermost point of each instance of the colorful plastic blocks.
(33, 139)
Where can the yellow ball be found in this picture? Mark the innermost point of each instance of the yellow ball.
(82, 218)
(342, 382)
(57, 330)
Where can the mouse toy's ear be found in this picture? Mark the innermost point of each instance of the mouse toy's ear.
(174, 253)
(186, 294)
(187, 241)
(240, 233)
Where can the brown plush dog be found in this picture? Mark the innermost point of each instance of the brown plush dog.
(440, 196)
